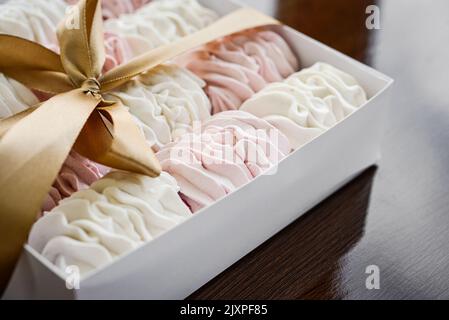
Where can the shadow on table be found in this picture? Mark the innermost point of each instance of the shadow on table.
(340, 24)
(304, 261)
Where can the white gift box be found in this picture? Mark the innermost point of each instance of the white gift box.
(182, 260)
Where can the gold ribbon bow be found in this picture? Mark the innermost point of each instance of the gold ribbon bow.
(35, 143)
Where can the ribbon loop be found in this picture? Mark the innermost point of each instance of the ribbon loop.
(33, 65)
(82, 44)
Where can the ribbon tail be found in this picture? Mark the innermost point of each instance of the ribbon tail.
(32, 152)
(8, 123)
(112, 138)
(33, 65)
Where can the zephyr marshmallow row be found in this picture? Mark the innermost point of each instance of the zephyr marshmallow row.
(232, 149)
(123, 211)
(254, 109)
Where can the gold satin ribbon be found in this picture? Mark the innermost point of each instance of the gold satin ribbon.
(35, 143)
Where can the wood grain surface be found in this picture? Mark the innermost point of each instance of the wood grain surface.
(395, 216)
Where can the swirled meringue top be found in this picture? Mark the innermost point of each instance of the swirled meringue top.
(230, 150)
(14, 97)
(77, 173)
(117, 51)
(116, 215)
(166, 102)
(238, 66)
(308, 103)
(161, 22)
(114, 8)
(35, 20)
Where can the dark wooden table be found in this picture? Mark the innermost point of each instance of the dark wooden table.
(396, 216)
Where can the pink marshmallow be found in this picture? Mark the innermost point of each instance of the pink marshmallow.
(238, 66)
(76, 174)
(232, 148)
